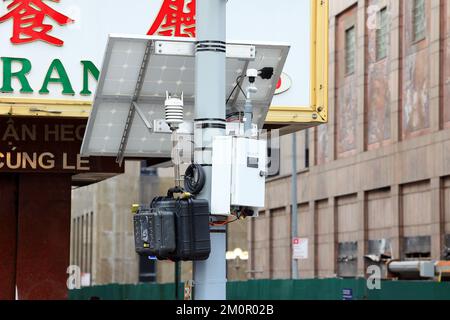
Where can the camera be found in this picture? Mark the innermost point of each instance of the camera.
(252, 74)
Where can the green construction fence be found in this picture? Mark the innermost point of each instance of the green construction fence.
(314, 289)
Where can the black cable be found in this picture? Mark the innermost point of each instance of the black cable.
(231, 94)
(242, 90)
(238, 85)
(238, 114)
(194, 179)
(174, 190)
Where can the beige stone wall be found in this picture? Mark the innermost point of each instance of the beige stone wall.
(306, 229)
(237, 238)
(416, 201)
(280, 253)
(348, 218)
(259, 247)
(286, 153)
(446, 200)
(113, 256)
(325, 244)
(391, 186)
(380, 215)
(445, 61)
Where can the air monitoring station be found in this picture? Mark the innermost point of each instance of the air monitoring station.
(206, 107)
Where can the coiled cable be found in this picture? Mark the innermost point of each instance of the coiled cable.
(194, 179)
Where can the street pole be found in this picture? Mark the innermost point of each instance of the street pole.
(177, 279)
(294, 217)
(210, 109)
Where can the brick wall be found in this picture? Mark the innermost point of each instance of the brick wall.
(378, 91)
(416, 73)
(346, 95)
(381, 167)
(445, 18)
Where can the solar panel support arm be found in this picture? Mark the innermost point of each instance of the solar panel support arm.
(132, 111)
(142, 116)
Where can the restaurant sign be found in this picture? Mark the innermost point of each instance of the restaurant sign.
(53, 49)
(47, 145)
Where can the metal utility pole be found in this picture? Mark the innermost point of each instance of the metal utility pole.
(210, 112)
(177, 279)
(294, 217)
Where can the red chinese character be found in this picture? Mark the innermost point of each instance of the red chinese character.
(175, 19)
(28, 16)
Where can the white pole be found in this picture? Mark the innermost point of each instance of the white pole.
(210, 109)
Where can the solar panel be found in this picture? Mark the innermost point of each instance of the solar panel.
(138, 70)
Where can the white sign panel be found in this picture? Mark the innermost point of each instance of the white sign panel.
(57, 54)
(285, 21)
(84, 39)
(300, 248)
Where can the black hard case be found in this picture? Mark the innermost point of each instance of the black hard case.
(154, 232)
(191, 227)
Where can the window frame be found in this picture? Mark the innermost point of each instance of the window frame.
(382, 33)
(418, 37)
(349, 29)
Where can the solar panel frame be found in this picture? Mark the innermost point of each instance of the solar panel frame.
(147, 101)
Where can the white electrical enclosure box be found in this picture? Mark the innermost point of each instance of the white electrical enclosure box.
(248, 172)
(221, 175)
(238, 173)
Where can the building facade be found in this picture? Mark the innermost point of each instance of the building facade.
(102, 240)
(377, 177)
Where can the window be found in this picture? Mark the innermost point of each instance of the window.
(382, 35)
(82, 246)
(417, 248)
(348, 259)
(446, 254)
(350, 43)
(419, 21)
